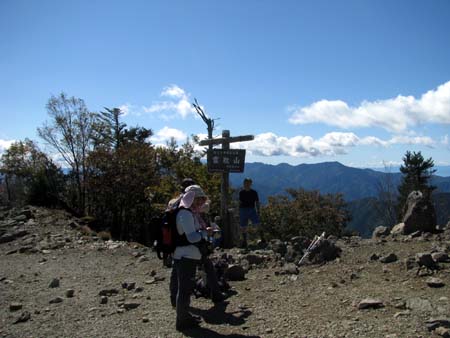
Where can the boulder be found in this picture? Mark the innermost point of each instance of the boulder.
(290, 269)
(235, 273)
(254, 259)
(420, 214)
(325, 251)
(424, 259)
(380, 232)
(278, 246)
(398, 229)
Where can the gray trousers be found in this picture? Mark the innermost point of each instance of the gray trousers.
(182, 282)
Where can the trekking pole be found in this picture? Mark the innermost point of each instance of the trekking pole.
(312, 246)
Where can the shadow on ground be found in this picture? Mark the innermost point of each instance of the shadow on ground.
(217, 315)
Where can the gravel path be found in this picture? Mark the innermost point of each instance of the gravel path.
(322, 301)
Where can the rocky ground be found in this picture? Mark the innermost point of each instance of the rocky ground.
(59, 280)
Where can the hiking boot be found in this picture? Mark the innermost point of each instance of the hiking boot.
(186, 324)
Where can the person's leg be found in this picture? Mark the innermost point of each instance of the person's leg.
(211, 278)
(243, 222)
(173, 285)
(186, 281)
(256, 222)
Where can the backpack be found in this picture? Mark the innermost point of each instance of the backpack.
(167, 236)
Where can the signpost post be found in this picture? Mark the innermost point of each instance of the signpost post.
(225, 160)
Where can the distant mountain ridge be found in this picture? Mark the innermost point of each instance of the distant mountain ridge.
(360, 187)
(327, 177)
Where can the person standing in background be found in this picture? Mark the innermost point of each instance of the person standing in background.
(248, 210)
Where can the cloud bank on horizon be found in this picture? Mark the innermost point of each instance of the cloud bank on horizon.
(397, 115)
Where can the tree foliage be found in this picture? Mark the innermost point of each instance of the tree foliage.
(304, 213)
(70, 132)
(30, 175)
(417, 173)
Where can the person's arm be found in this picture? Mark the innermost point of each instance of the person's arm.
(186, 220)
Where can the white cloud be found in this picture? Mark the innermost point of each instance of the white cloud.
(177, 105)
(125, 109)
(166, 134)
(5, 144)
(396, 114)
(331, 144)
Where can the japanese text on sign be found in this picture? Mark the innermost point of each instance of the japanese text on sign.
(231, 160)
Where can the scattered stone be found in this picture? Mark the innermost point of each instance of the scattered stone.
(145, 320)
(374, 257)
(392, 257)
(434, 323)
(108, 292)
(54, 283)
(370, 303)
(56, 300)
(442, 331)
(434, 282)
(24, 317)
(15, 306)
(70, 293)
(142, 259)
(269, 330)
(103, 300)
(402, 314)
(153, 273)
(139, 289)
(440, 257)
(130, 305)
(129, 285)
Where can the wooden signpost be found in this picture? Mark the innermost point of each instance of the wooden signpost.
(225, 160)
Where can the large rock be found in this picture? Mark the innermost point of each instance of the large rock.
(398, 229)
(325, 251)
(380, 232)
(235, 273)
(420, 214)
(278, 246)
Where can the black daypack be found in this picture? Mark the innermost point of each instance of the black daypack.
(167, 236)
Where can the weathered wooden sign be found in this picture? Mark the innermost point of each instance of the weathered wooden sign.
(226, 160)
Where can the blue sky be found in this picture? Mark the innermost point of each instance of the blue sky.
(358, 82)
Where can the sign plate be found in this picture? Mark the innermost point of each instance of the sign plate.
(222, 160)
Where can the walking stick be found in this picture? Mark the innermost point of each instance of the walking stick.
(315, 242)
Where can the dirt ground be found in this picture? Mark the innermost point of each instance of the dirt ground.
(321, 301)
